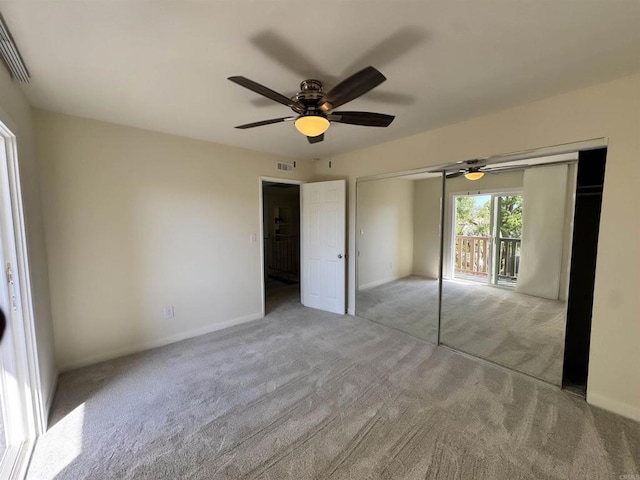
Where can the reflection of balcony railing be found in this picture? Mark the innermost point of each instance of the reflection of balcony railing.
(473, 256)
(509, 261)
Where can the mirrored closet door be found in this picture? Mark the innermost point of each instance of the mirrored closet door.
(398, 248)
(502, 238)
(507, 247)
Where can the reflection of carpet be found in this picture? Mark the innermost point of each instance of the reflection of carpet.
(518, 331)
(304, 394)
(409, 304)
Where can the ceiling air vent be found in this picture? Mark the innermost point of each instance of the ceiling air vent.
(286, 167)
(11, 56)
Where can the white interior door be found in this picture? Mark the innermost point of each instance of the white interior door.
(324, 245)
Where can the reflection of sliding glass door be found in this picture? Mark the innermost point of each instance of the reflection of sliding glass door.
(472, 238)
(487, 240)
(506, 228)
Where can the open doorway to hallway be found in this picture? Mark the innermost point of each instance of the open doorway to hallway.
(281, 240)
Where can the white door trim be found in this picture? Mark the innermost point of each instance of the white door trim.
(20, 338)
(261, 232)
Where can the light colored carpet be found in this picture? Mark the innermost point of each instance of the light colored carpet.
(305, 394)
(409, 304)
(518, 331)
(497, 324)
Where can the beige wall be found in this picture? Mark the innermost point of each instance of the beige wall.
(426, 227)
(610, 110)
(15, 113)
(136, 221)
(385, 231)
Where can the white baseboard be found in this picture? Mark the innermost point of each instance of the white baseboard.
(614, 406)
(49, 403)
(140, 347)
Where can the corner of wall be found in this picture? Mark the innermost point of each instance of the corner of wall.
(607, 403)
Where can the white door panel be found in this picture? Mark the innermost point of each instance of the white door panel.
(324, 245)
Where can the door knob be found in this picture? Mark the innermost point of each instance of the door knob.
(339, 255)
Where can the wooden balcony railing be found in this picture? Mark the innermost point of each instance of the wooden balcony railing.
(509, 261)
(473, 256)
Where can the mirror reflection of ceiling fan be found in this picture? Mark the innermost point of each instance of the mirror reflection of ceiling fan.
(476, 172)
(315, 109)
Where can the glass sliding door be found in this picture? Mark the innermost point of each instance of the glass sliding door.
(21, 407)
(13, 422)
(487, 241)
(507, 235)
(472, 240)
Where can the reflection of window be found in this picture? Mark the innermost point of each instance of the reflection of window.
(488, 237)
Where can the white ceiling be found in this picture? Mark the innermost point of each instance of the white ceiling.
(162, 65)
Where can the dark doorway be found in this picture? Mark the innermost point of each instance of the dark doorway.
(591, 167)
(281, 229)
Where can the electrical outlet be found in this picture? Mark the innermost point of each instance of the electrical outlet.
(168, 312)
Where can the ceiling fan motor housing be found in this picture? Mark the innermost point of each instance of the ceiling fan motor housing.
(309, 95)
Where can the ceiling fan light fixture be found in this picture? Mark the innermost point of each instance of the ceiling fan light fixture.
(312, 125)
(473, 175)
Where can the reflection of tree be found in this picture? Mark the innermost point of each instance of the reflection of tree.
(474, 221)
(511, 216)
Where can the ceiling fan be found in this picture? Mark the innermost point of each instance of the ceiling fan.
(315, 109)
(476, 172)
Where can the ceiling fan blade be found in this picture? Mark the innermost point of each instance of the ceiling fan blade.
(317, 139)
(456, 174)
(366, 119)
(351, 88)
(265, 122)
(267, 92)
(490, 169)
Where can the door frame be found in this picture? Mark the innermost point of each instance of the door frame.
(289, 181)
(20, 338)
